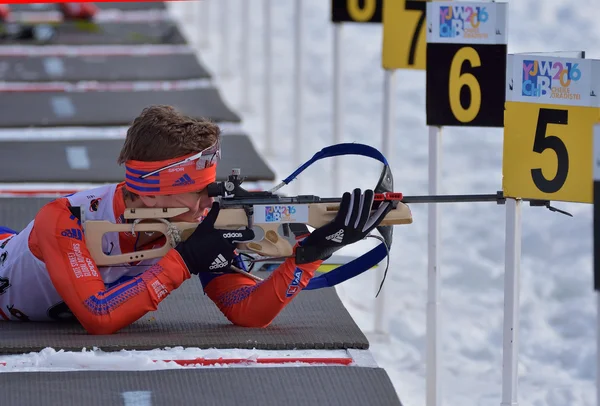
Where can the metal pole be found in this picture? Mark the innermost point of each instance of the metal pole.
(389, 87)
(188, 11)
(433, 382)
(337, 101)
(388, 134)
(510, 351)
(203, 7)
(298, 142)
(244, 57)
(267, 76)
(224, 43)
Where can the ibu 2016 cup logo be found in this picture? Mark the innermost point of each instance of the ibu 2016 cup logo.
(461, 21)
(280, 213)
(550, 79)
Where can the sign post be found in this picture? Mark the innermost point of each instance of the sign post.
(224, 43)
(267, 92)
(343, 12)
(298, 93)
(403, 48)
(245, 57)
(203, 11)
(465, 80)
(365, 12)
(551, 108)
(596, 247)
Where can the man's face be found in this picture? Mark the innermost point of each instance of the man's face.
(196, 202)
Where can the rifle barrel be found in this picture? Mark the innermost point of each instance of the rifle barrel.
(306, 199)
(496, 197)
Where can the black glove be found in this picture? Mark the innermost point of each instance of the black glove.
(209, 249)
(352, 223)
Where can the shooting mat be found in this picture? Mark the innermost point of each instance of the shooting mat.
(99, 108)
(103, 33)
(95, 161)
(314, 320)
(101, 68)
(319, 385)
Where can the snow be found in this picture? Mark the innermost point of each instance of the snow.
(557, 312)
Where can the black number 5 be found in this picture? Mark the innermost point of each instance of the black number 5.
(415, 5)
(542, 143)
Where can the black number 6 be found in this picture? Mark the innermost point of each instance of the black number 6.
(542, 143)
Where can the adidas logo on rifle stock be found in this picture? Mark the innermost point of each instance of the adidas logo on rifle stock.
(219, 262)
(337, 237)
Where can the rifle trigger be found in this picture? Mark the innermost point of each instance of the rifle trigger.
(249, 210)
(286, 229)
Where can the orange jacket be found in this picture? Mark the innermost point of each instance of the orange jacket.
(57, 240)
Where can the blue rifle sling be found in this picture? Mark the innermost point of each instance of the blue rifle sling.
(367, 260)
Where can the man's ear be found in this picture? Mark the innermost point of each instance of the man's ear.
(149, 200)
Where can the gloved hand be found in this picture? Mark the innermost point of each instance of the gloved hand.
(209, 249)
(352, 223)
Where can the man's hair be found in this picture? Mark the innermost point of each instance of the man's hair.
(161, 132)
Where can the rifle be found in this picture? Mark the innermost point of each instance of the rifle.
(270, 215)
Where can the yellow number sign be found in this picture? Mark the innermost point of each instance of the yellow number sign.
(548, 151)
(404, 41)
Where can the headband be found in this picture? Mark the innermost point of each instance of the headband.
(171, 176)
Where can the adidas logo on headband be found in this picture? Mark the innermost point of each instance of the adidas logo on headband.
(184, 180)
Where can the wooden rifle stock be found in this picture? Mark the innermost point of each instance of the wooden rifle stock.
(157, 220)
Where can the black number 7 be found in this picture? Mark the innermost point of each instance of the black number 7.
(542, 143)
(415, 5)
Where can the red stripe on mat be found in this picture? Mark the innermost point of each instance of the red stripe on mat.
(84, 1)
(229, 361)
(103, 87)
(93, 50)
(38, 193)
(239, 361)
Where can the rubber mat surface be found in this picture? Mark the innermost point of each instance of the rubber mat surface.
(60, 109)
(95, 160)
(129, 5)
(16, 213)
(102, 68)
(344, 386)
(105, 33)
(313, 320)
